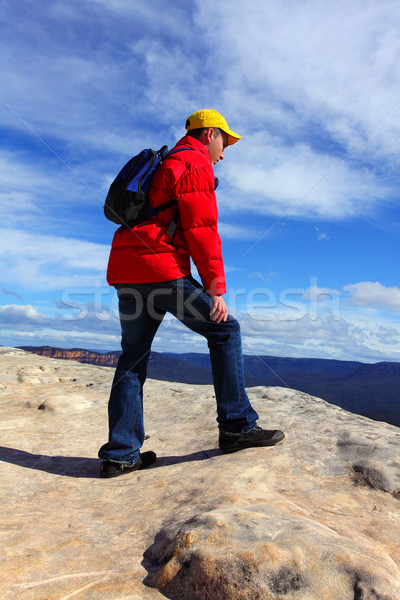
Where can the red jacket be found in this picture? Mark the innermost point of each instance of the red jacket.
(145, 254)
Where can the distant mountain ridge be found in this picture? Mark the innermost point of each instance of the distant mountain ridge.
(372, 390)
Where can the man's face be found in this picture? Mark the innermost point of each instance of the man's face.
(216, 146)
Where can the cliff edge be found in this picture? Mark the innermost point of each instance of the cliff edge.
(316, 517)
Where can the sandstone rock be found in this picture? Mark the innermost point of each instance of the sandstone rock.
(314, 518)
(108, 359)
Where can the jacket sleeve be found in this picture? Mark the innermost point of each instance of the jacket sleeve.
(198, 216)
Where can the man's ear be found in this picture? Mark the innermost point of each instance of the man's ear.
(209, 135)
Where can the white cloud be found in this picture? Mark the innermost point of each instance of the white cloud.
(50, 262)
(90, 325)
(328, 65)
(321, 235)
(19, 316)
(320, 322)
(344, 338)
(237, 232)
(100, 91)
(371, 296)
(17, 173)
(374, 294)
(38, 192)
(323, 74)
(298, 182)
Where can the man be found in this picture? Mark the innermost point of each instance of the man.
(151, 271)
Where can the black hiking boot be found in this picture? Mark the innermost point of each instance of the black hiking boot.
(113, 469)
(256, 438)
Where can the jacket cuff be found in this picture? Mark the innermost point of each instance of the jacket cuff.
(216, 287)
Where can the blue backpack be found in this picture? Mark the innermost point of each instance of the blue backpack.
(127, 202)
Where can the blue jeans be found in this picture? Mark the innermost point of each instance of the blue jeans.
(142, 307)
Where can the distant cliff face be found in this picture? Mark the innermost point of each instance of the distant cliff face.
(314, 518)
(109, 359)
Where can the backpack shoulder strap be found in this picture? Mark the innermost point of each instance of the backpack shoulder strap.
(172, 225)
(176, 150)
(164, 156)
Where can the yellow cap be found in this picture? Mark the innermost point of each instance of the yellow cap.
(211, 118)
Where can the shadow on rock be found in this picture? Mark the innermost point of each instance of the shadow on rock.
(69, 466)
(167, 461)
(79, 466)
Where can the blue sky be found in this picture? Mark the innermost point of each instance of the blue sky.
(308, 199)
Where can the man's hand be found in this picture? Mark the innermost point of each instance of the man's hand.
(219, 311)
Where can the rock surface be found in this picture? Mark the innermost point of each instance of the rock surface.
(314, 518)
